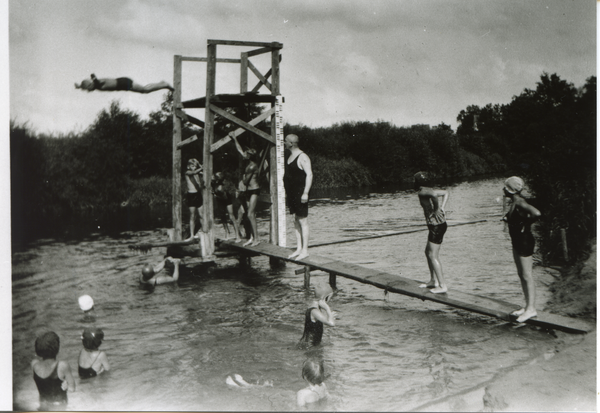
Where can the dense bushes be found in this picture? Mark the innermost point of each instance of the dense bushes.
(547, 135)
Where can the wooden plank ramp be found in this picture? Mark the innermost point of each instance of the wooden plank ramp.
(401, 285)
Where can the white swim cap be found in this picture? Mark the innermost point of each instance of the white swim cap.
(86, 302)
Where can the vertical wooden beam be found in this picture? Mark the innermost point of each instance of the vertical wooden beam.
(176, 204)
(333, 280)
(209, 131)
(244, 73)
(306, 277)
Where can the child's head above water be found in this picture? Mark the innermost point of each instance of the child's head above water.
(147, 272)
(47, 345)
(313, 371)
(92, 338)
(322, 290)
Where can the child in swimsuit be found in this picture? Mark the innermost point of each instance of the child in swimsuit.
(317, 314)
(95, 360)
(120, 83)
(52, 377)
(314, 373)
(151, 273)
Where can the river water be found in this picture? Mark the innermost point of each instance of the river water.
(173, 348)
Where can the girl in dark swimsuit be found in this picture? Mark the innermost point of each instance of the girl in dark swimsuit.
(519, 218)
(95, 360)
(52, 377)
(317, 314)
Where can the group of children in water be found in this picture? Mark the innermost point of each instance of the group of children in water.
(53, 377)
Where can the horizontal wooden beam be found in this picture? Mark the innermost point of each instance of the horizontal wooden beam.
(205, 59)
(229, 100)
(241, 123)
(256, 52)
(187, 141)
(239, 131)
(274, 45)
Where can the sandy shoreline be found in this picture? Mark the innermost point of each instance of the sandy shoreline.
(563, 379)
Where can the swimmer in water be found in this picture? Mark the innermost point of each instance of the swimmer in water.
(314, 373)
(150, 273)
(317, 314)
(96, 360)
(53, 378)
(436, 222)
(120, 84)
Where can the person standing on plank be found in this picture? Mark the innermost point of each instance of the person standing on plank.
(120, 83)
(249, 189)
(193, 177)
(519, 218)
(436, 222)
(297, 182)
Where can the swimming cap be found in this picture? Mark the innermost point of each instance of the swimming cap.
(147, 272)
(514, 185)
(86, 302)
(92, 333)
(421, 178)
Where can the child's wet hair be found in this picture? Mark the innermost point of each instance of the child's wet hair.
(313, 371)
(92, 338)
(47, 345)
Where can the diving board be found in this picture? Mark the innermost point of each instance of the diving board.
(401, 285)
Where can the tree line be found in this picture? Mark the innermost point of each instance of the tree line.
(546, 135)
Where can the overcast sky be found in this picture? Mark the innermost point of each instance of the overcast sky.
(405, 62)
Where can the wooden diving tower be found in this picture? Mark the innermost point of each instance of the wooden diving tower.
(215, 105)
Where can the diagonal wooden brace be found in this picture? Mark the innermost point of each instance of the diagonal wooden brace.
(239, 131)
(259, 75)
(241, 123)
(184, 116)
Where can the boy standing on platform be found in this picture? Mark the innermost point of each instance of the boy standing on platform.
(436, 222)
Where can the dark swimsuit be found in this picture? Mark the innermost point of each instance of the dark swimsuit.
(294, 181)
(90, 372)
(124, 83)
(51, 393)
(313, 331)
(519, 229)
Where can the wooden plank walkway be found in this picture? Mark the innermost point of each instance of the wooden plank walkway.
(401, 285)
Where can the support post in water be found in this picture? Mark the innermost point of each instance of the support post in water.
(333, 280)
(306, 277)
(563, 236)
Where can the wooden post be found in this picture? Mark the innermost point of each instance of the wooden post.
(333, 280)
(176, 185)
(209, 123)
(563, 236)
(244, 73)
(306, 277)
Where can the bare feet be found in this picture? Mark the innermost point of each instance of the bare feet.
(255, 243)
(302, 256)
(526, 316)
(517, 313)
(428, 285)
(439, 290)
(237, 240)
(245, 244)
(295, 254)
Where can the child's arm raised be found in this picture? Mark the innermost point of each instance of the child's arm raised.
(326, 318)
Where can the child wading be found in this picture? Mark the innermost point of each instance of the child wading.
(95, 360)
(317, 314)
(52, 377)
(314, 373)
